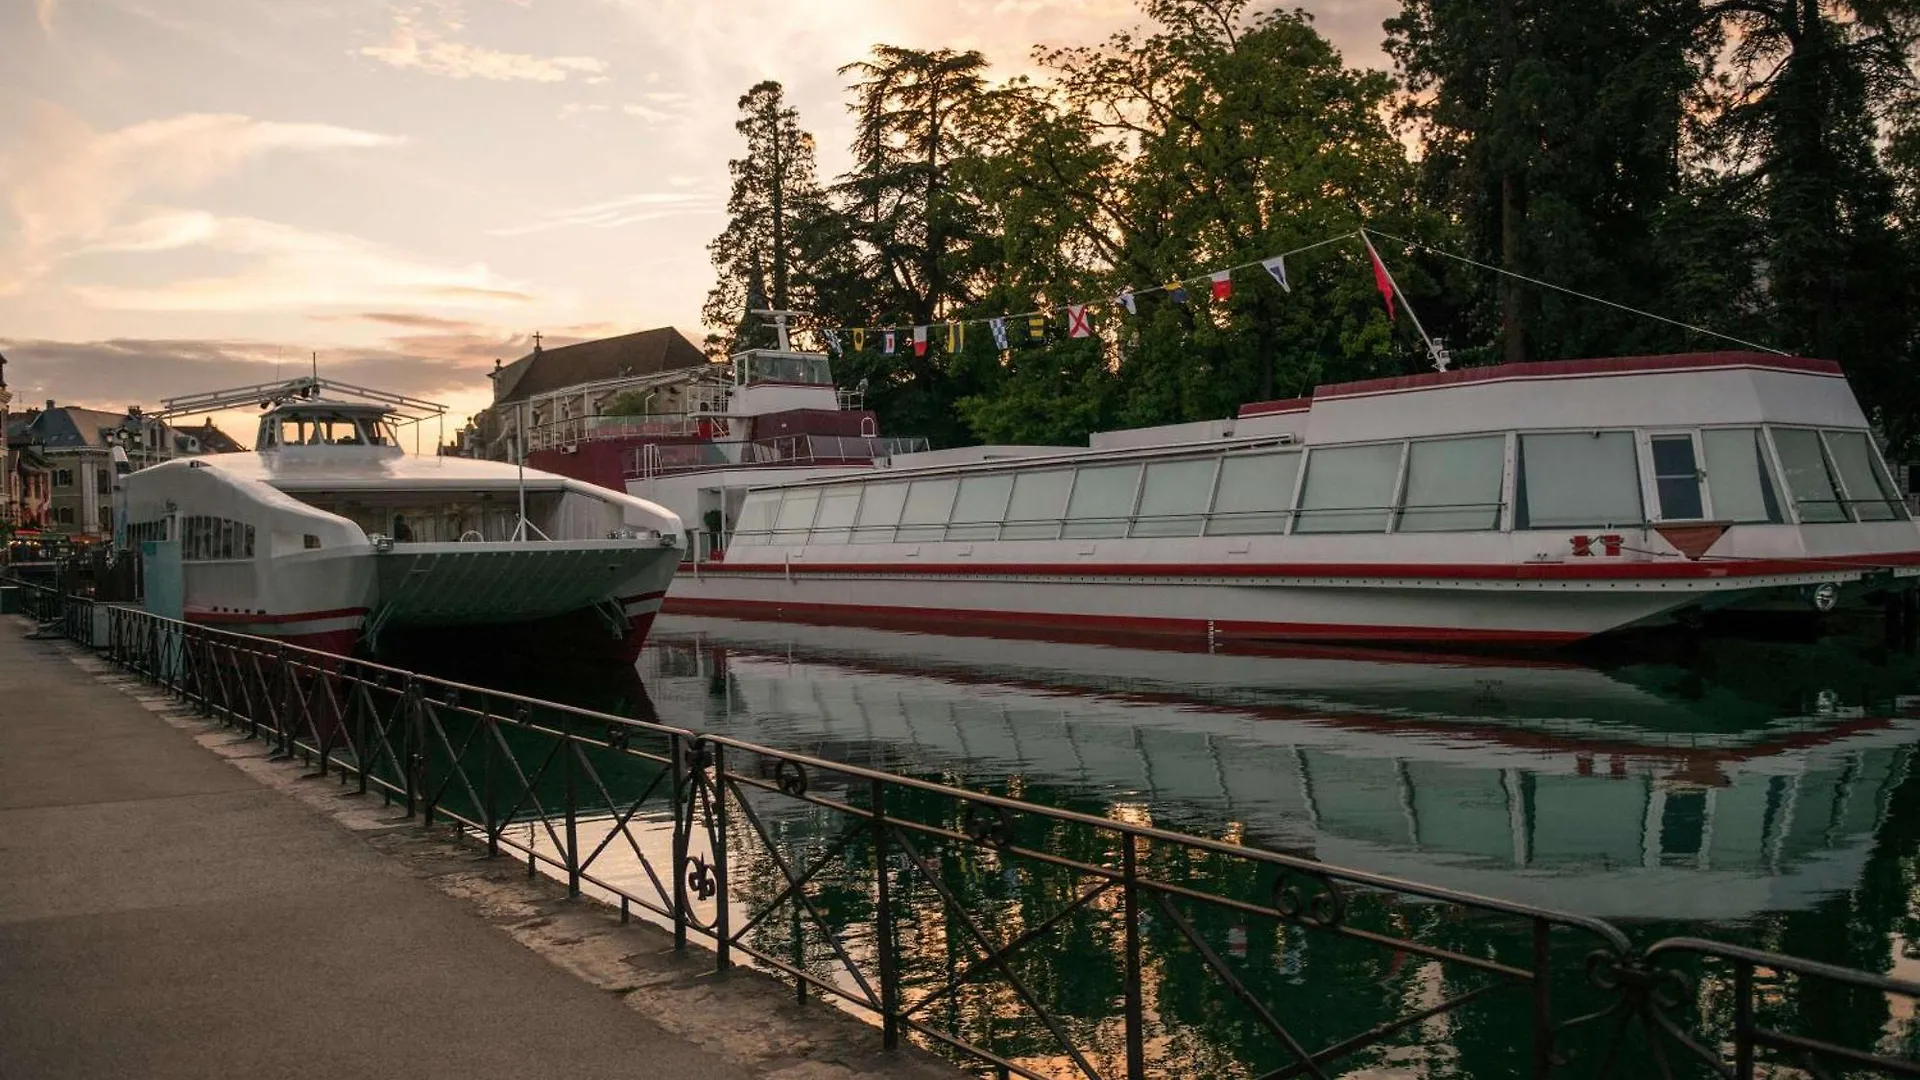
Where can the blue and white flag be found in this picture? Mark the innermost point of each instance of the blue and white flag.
(999, 328)
(1125, 300)
(1277, 266)
(833, 339)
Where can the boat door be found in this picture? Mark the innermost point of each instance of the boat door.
(1676, 487)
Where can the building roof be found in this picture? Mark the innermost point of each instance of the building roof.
(69, 427)
(646, 352)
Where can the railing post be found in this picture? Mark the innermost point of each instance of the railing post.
(570, 749)
(410, 738)
(1542, 1000)
(1743, 1021)
(489, 734)
(682, 829)
(1136, 1011)
(723, 931)
(883, 922)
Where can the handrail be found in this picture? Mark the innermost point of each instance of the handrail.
(687, 827)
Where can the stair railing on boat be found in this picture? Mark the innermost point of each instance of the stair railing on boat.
(1029, 940)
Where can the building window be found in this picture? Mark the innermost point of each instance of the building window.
(63, 478)
(63, 515)
(106, 519)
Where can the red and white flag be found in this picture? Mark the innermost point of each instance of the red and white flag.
(919, 341)
(1381, 280)
(1222, 284)
(1078, 325)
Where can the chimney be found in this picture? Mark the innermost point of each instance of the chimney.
(49, 404)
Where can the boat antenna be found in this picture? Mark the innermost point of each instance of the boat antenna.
(520, 464)
(1437, 353)
(779, 324)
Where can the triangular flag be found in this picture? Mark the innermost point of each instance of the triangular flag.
(999, 328)
(919, 341)
(1177, 292)
(833, 339)
(1222, 284)
(886, 339)
(859, 339)
(1078, 325)
(956, 336)
(1125, 300)
(1037, 327)
(1381, 281)
(1277, 266)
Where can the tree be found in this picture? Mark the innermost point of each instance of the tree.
(773, 212)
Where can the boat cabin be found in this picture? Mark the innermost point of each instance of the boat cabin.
(317, 423)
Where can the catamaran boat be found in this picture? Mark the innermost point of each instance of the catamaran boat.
(1538, 503)
(330, 535)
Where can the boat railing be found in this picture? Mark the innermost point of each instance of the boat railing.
(666, 458)
(571, 431)
(1024, 939)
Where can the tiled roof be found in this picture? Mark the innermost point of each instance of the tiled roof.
(644, 353)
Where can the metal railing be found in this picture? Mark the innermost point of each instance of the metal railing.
(1023, 939)
(664, 459)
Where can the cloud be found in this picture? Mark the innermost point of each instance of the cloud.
(577, 108)
(625, 210)
(66, 183)
(646, 112)
(413, 43)
(43, 10)
(289, 267)
(408, 319)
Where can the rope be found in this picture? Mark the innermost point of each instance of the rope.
(1578, 293)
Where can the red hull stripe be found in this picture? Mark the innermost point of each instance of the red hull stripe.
(252, 619)
(1595, 569)
(1612, 365)
(866, 614)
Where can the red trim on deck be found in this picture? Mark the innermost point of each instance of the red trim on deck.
(871, 615)
(1271, 408)
(1594, 569)
(252, 619)
(1552, 369)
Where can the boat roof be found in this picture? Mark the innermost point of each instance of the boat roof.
(352, 468)
(332, 405)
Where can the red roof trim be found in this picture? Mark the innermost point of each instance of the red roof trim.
(1270, 408)
(1560, 369)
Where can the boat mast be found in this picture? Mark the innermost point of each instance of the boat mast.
(780, 319)
(1436, 353)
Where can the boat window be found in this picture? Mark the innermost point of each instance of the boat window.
(1738, 476)
(925, 516)
(1173, 501)
(1038, 500)
(1453, 485)
(879, 513)
(756, 517)
(1870, 493)
(980, 506)
(1585, 479)
(1676, 477)
(1809, 478)
(1255, 493)
(796, 516)
(1102, 501)
(837, 506)
(1349, 489)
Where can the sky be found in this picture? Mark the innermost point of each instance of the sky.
(197, 194)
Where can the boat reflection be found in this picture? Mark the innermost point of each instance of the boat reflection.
(1639, 792)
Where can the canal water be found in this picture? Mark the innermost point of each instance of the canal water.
(1754, 792)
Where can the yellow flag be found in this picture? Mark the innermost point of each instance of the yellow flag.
(859, 339)
(956, 336)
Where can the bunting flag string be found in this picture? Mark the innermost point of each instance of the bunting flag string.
(952, 336)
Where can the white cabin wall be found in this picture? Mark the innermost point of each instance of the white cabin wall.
(1198, 431)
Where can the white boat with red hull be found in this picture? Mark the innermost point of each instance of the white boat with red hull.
(1539, 503)
(329, 535)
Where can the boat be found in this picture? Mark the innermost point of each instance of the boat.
(1551, 783)
(330, 535)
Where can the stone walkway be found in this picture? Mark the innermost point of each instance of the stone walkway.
(174, 905)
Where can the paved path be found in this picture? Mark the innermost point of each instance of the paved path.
(162, 914)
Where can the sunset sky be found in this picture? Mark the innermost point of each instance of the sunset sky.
(198, 193)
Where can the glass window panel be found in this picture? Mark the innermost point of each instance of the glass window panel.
(796, 516)
(1453, 485)
(1578, 480)
(1738, 476)
(1869, 490)
(1039, 500)
(1254, 493)
(928, 503)
(1102, 501)
(1676, 477)
(1173, 501)
(831, 523)
(756, 517)
(1808, 480)
(1349, 489)
(879, 512)
(980, 506)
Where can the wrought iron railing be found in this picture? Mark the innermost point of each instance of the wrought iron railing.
(949, 915)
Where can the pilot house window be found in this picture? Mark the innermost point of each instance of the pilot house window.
(1583, 479)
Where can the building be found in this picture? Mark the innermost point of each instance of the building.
(555, 397)
(73, 448)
